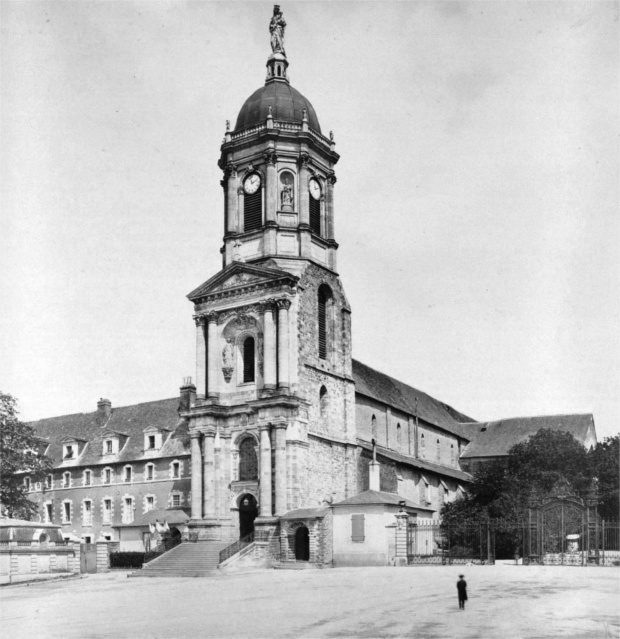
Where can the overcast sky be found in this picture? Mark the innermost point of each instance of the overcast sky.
(476, 203)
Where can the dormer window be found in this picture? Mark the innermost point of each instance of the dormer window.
(153, 439)
(108, 446)
(68, 452)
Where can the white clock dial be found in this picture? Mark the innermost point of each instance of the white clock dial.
(315, 189)
(252, 183)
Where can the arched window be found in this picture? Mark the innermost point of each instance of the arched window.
(452, 453)
(323, 401)
(398, 434)
(438, 450)
(373, 425)
(325, 295)
(248, 359)
(422, 444)
(248, 463)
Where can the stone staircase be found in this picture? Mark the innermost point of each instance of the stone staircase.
(198, 559)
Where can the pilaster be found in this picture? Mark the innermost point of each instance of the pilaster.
(265, 471)
(209, 475)
(201, 358)
(212, 356)
(281, 479)
(283, 343)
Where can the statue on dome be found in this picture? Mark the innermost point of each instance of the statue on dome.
(276, 28)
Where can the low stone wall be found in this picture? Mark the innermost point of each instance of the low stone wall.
(26, 558)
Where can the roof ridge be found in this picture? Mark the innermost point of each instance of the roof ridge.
(524, 417)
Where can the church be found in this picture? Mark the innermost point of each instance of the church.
(283, 438)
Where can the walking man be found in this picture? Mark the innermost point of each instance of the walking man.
(461, 586)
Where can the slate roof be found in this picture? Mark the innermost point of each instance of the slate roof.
(420, 464)
(390, 391)
(286, 104)
(130, 420)
(305, 513)
(379, 497)
(495, 439)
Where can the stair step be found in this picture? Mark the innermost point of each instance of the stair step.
(185, 560)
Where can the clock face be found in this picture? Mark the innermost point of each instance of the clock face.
(251, 184)
(315, 189)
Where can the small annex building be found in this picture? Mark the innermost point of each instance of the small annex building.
(364, 527)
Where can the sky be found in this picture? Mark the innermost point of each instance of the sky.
(476, 203)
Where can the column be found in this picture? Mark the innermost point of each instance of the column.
(201, 357)
(329, 207)
(196, 477)
(209, 475)
(265, 471)
(304, 204)
(271, 187)
(239, 222)
(269, 380)
(212, 355)
(283, 350)
(281, 483)
(231, 198)
(225, 473)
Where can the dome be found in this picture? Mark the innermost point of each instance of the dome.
(287, 105)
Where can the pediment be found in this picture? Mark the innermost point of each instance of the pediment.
(238, 276)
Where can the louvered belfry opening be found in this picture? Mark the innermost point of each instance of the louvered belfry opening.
(248, 359)
(315, 215)
(252, 211)
(324, 297)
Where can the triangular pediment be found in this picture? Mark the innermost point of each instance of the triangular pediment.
(239, 275)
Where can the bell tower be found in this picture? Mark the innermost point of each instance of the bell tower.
(274, 405)
(278, 174)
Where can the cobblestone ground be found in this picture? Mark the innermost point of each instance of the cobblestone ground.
(419, 602)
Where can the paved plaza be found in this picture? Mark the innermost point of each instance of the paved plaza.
(420, 602)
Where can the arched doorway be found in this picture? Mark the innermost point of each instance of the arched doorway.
(248, 512)
(302, 544)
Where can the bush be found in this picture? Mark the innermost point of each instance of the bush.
(126, 559)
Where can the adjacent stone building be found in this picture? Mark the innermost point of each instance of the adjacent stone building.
(281, 423)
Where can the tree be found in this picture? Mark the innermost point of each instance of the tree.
(604, 461)
(20, 453)
(503, 489)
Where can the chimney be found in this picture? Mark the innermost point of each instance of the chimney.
(104, 410)
(188, 395)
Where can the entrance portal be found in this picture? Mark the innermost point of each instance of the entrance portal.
(247, 514)
(302, 544)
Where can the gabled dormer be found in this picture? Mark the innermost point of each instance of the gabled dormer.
(112, 442)
(154, 439)
(72, 448)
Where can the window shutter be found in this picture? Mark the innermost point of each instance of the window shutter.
(322, 326)
(252, 211)
(357, 527)
(315, 215)
(248, 360)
